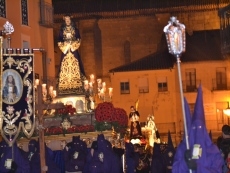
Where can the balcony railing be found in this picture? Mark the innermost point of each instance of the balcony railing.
(46, 14)
(216, 85)
(191, 87)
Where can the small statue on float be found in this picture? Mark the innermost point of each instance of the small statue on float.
(135, 128)
(152, 131)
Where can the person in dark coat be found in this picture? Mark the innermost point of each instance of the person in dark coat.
(158, 164)
(131, 158)
(223, 143)
(120, 152)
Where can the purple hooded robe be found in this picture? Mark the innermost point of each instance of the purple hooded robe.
(169, 154)
(75, 156)
(19, 158)
(33, 156)
(206, 155)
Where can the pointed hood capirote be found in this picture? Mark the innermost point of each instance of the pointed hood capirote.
(199, 107)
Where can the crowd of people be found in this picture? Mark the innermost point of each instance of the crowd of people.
(76, 157)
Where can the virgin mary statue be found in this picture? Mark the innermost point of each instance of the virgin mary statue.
(71, 74)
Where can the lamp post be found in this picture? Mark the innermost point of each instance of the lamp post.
(175, 36)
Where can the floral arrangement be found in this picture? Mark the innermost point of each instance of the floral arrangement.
(104, 112)
(68, 110)
(65, 113)
(108, 117)
(72, 129)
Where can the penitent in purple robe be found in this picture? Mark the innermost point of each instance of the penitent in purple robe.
(169, 154)
(33, 156)
(75, 155)
(114, 158)
(22, 163)
(207, 156)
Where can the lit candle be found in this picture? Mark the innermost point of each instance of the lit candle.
(86, 83)
(54, 93)
(102, 92)
(51, 90)
(91, 78)
(90, 87)
(104, 86)
(110, 92)
(43, 87)
(90, 84)
(99, 83)
(36, 82)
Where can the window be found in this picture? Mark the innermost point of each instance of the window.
(162, 84)
(3, 8)
(26, 44)
(190, 75)
(24, 11)
(221, 81)
(143, 85)
(124, 87)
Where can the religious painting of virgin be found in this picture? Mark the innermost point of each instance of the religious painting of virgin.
(12, 87)
(18, 96)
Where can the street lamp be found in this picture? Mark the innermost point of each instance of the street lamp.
(175, 36)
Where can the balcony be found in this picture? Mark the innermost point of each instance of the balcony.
(218, 85)
(190, 86)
